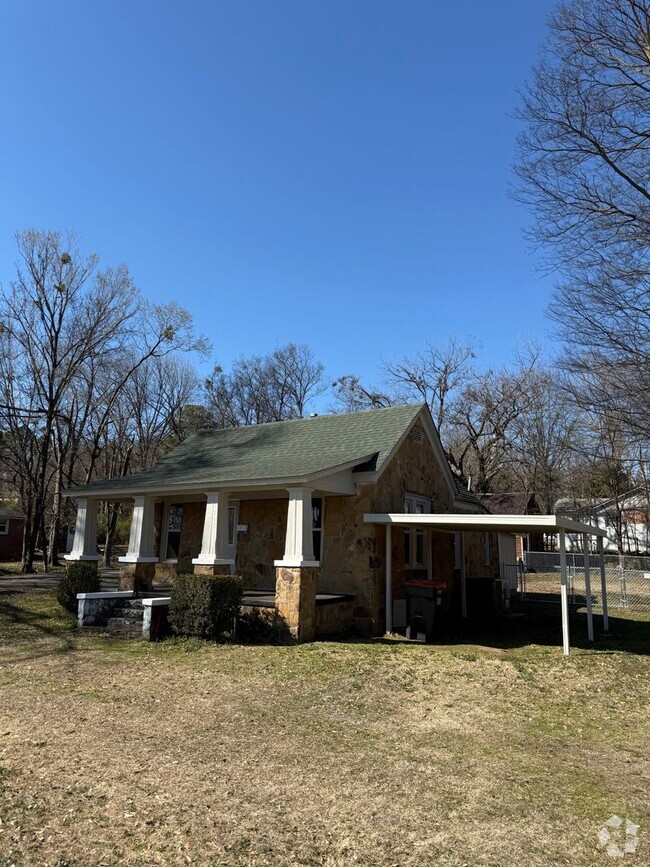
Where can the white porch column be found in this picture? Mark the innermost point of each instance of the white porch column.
(85, 532)
(590, 616)
(142, 533)
(603, 582)
(214, 546)
(299, 544)
(389, 579)
(563, 595)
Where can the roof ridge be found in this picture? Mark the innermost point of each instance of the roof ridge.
(305, 418)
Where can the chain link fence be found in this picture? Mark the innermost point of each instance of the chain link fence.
(627, 578)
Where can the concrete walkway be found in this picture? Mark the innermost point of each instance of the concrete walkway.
(48, 581)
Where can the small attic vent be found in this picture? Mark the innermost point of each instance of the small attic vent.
(417, 435)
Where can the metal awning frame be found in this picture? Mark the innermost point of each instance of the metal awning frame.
(515, 524)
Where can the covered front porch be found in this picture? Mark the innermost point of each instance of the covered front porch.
(504, 525)
(271, 536)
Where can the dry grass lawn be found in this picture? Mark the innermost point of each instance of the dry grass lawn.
(373, 753)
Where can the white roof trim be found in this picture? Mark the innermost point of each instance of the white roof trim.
(495, 523)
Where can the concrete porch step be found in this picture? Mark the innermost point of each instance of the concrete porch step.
(130, 613)
(131, 604)
(126, 626)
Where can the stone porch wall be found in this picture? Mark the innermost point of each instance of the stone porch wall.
(263, 543)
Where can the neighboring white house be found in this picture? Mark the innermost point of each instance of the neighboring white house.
(626, 520)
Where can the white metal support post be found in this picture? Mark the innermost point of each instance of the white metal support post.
(590, 616)
(603, 582)
(389, 579)
(563, 595)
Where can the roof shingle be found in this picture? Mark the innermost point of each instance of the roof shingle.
(285, 449)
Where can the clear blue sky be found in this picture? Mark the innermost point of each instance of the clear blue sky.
(333, 173)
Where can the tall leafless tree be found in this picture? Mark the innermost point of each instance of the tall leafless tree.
(64, 326)
(584, 169)
(265, 388)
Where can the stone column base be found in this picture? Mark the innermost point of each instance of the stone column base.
(295, 600)
(137, 576)
(216, 569)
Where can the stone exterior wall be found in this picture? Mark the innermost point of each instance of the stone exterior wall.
(476, 566)
(335, 618)
(353, 552)
(263, 543)
(191, 535)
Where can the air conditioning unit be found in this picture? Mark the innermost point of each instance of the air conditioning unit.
(501, 595)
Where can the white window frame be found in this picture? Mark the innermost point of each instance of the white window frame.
(233, 509)
(164, 536)
(416, 504)
(4, 526)
(320, 529)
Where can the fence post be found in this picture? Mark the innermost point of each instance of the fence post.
(590, 617)
(623, 584)
(563, 595)
(603, 583)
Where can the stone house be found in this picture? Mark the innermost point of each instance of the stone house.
(12, 526)
(291, 505)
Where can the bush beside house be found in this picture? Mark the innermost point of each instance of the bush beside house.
(79, 577)
(205, 606)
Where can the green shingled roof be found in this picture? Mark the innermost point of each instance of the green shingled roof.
(285, 449)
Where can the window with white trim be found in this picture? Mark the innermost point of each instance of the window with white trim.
(317, 526)
(415, 549)
(232, 524)
(4, 526)
(173, 531)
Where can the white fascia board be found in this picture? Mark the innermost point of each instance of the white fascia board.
(497, 523)
(230, 485)
(339, 483)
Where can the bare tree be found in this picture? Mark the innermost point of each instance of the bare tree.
(584, 169)
(266, 388)
(546, 438)
(351, 395)
(64, 326)
(435, 376)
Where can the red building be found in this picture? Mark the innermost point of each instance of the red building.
(12, 525)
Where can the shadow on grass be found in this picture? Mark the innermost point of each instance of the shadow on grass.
(21, 624)
(539, 623)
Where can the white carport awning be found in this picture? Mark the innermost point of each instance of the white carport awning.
(488, 523)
